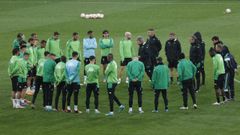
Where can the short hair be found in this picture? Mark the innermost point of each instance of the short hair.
(22, 43)
(105, 31)
(215, 38)
(46, 53)
(74, 54)
(23, 46)
(56, 33)
(140, 38)
(52, 54)
(181, 56)
(26, 54)
(90, 32)
(159, 59)
(43, 41)
(33, 34)
(15, 51)
(63, 59)
(30, 39)
(128, 33)
(151, 29)
(92, 58)
(19, 35)
(75, 33)
(172, 34)
(110, 55)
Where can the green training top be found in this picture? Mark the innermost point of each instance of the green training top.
(73, 46)
(106, 45)
(23, 68)
(53, 46)
(92, 72)
(135, 70)
(13, 66)
(15, 44)
(126, 49)
(40, 53)
(32, 55)
(160, 77)
(59, 72)
(48, 71)
(218, 66)
(111, 72)
(40, 67)
(186, 70)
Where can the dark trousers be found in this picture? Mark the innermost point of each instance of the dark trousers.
(111, 95)
(89, 89)
(202, 72)
(61, 88)
(188, 87)
(38, 84)
(164, 95)
(229, 84)
(48, 93)
(149, 72)
(86, 62)
(138, 87)
(196, 82)
(72, 89)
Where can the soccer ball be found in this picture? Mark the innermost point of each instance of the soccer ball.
(94, 16)
(87, 16)
(101, 16)
(228, 10)
(82, 15)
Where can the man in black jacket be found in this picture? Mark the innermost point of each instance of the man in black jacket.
(196, 58)
(172, 51)
(154, 43)
(145, 56)
(216, 40)
(202, 43)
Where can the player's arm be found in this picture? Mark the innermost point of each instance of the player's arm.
(121, 50)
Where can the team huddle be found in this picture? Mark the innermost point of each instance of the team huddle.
(44, 65)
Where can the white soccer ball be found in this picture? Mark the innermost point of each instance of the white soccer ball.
(94, 16)
(82, 15)
(98, 15)
(101, 16)
(87, 16)
(228, 10)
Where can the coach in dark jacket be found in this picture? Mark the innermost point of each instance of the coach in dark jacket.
(145, 56)
(196, 58)
(154, 43)
(202, 45)
(172, 51)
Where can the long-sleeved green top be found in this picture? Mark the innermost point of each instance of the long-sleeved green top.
(160, 77)
(186, 70)
(106, 45)
(135, 70)
(126, 49)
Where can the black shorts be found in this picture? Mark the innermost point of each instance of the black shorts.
(14, 81)
(73, 87)
(172, 63)
(125, 61)
(219, 83)
(104, 60)
(22, 85)
(32, 72)
(86, 61)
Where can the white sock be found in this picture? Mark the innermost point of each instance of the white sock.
(85, 77)
(130, 109)
(22, 100)
(75, 107)
(140, 109)
(14, 103)
(17, 102)
(68, 107)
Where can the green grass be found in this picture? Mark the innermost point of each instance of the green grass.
(183, 17)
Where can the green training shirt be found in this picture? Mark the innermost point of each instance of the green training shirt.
(40, 67)
(59, 72)
(13, 66)
(106, 45)
(23, 68)
(135, 70)
(71, 47)
(186, 70)
(53, 46)
(40, 53)
(48, 71)
(218, 66)
(126, 49)
(32, 55)
(111, 72)
(92, 72)
(160, 77)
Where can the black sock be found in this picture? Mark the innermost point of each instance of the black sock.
(218, 99)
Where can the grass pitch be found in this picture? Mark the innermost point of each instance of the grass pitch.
(181, 16)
